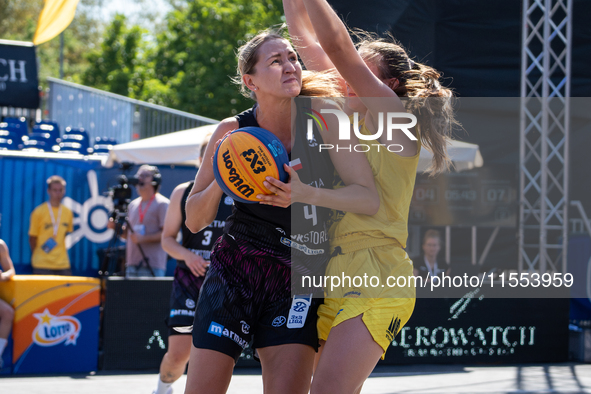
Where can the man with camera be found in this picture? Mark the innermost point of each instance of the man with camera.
(144, 255)
(50, 223)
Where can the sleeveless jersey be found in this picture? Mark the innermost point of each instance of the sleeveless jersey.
(279, 217)
(303, 229)
(309, 241)
(202, 242)
(395, 180)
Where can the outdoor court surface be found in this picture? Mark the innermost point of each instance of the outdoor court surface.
(448, 379)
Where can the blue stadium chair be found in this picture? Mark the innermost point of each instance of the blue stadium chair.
(7, 140)
(72, 147)
(16, 136)
(40, 142)
(50, 123)
(45, 132)
(102, 145)
(79, 136)
(47, 127)
(20, 122)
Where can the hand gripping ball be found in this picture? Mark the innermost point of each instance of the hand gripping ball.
(243, 160)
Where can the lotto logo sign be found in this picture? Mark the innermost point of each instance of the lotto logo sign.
(52, 330)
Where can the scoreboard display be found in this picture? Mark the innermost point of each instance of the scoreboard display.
(485, 197)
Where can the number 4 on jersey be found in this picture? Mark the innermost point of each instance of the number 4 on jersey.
(310, 213)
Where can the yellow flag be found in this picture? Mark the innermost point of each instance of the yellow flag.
(55, 17)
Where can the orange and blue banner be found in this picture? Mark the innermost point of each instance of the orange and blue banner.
(56, 324)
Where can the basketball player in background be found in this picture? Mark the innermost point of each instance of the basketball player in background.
(192, 256)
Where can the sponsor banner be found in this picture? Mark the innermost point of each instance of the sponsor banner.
(19, 86)
(56, 323)
(220, 331)
(481, 330)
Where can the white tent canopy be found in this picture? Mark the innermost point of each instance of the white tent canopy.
(464, 156)
(182, 148)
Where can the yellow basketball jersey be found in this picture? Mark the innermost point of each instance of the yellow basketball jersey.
(395, 180)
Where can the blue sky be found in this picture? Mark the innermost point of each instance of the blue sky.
(135, 10)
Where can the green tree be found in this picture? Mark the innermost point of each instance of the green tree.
(118, 65)
(195, 56)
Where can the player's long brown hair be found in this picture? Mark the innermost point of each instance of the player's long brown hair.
(428, 100)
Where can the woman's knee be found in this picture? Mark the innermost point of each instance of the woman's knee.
(6, 312)
(178, 354)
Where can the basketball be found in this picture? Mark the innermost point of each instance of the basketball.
(243, 160)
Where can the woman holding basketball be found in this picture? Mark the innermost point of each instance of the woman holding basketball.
(247, 290)
(359, 323)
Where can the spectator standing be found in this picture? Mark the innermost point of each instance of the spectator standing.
(427, 264)
(50, 223)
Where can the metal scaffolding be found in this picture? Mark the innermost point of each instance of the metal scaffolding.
(544, 139)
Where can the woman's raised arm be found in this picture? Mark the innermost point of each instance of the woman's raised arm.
(203, 201)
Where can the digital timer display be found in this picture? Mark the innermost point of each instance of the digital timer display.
(479, 197)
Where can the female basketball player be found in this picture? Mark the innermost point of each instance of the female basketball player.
(247, 290)
(359, 323)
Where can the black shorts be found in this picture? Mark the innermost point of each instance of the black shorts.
(183, 300)
(246, 297)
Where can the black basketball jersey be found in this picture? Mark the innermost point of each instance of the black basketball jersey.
(306, 226)
(277, 216)
(309, 223)
(202, 242)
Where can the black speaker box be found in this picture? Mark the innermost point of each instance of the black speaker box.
(135, 335)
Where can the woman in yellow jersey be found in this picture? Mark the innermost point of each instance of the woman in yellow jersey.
(359, 319)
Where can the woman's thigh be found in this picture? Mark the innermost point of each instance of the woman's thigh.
(348, 357)
(209, 371)
(287, 368)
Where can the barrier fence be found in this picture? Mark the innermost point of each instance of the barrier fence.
(111, 115)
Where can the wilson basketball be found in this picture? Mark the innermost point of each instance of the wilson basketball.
(243, 160)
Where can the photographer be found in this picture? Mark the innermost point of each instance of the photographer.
(145, 216)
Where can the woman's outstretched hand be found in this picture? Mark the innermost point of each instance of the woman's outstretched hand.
(284, 194)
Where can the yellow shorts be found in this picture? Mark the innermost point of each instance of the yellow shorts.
(385, 308)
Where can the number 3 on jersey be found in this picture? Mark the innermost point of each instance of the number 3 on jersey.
(207, 237)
